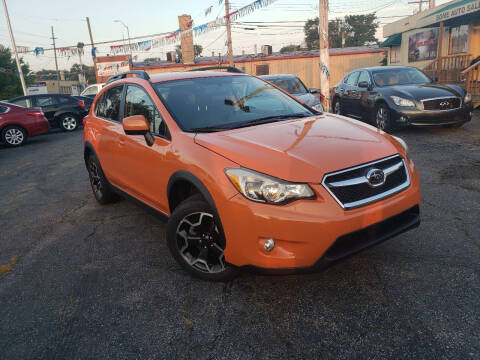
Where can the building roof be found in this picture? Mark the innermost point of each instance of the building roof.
(455, 9)
(210, 60)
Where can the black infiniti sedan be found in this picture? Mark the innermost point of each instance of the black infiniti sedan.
(395, 96)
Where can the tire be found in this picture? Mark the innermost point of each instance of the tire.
(337, 108)
(13, 136)
(68, 122)
(383, 120)
(102, 190)
(196, 241)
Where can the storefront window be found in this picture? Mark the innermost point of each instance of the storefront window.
(458, 39)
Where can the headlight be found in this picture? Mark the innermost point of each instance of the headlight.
(318, 107)
(403, 143)
(467, 98)
(402, 102)
(263, 188)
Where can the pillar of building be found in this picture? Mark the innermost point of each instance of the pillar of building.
(185, 23)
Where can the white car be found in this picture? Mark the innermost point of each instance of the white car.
(92, 90)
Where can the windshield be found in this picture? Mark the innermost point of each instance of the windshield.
(391, 77)
(226, 102)
(292, 85)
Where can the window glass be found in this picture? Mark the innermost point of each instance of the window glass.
(46, 101)
(400, 76)
(458, 39)
(290, 85)
(137, 102)
(364, 77)
(352, 79)
(3, 109)
(64, 99)
(394, 54)
(25, 102)
(108, 107)
(91, 90)
(226, 102)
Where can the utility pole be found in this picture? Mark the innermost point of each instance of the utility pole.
(56, 62)
(431, 4)
(90, 33)
(420, 3)
(229, 33)
(14, 49)
(324, 56)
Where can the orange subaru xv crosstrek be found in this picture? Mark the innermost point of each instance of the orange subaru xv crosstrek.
(246, 174)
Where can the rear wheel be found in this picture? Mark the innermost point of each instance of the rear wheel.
(337, 107)
(196, 241)
(101, 188)
(382, 118)
(68, 122)
(13, 136)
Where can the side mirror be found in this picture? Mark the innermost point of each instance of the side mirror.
(313, 90)
(138, 125)
(363, 84)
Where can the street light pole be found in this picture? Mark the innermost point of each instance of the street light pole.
(128, 34)
(12, 39)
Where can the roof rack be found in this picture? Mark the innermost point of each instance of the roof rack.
(140, 74)
(228, 68)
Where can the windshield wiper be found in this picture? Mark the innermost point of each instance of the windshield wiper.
(273, 118)
(208, 129)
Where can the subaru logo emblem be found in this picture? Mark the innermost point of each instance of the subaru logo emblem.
(375, 177)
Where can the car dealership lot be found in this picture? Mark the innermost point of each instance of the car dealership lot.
(84, 281)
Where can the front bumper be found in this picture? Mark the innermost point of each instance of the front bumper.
(417, 117)
(312, 233)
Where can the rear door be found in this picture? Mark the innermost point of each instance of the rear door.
(349, 94)
(49, 105)
(360, 99)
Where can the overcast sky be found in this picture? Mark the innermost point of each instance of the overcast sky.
(32, 20)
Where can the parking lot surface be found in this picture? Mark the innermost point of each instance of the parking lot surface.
(82, 281)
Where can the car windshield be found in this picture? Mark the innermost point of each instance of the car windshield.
(391, 77)
(290, 85)
(226, 102)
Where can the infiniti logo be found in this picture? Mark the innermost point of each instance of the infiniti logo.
(444, 104)
(375, 177)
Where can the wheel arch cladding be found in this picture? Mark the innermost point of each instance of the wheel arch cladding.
(181, 185)
(87, 150)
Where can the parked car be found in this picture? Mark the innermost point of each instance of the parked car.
(92, 90)
(87, 101)
(248, 175)
(395, 96)
(18, 123)
(293, 85)
(61, 110)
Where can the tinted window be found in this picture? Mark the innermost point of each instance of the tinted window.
(352, 79)
(25, 102)
(108, 107)
(226, 102)
(137, 102)
(92, 90)
(3, 109)
(293, 85)
(400, 76)
(46, 101)
(364, 77)
(65, 99)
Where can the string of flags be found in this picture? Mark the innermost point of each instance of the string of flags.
(171, 38)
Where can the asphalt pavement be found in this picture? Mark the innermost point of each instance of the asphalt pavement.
(84, 281)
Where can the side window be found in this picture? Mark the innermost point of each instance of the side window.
(108, 106)
(25, 102)
(91, 90)
(352, 79)
(364, 77)
(137, 102)
(65, 99)
(46, 101)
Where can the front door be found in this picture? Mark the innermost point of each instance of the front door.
(48, 104)
(143, 166)
(350, 93)
(362, 96)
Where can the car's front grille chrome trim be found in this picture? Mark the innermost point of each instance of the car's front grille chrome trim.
(390, 170)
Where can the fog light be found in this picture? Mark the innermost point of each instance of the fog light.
(403, 119)
(269, 245)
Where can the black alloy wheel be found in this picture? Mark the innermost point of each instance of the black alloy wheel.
(101, 188)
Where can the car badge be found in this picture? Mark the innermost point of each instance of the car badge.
(375, 177)
(444, 104)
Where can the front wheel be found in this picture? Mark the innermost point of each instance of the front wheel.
(68, 122)
(382, 118)
(13, 136)
(196, 241)
(337, 108)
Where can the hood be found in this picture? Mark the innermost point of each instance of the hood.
(301, 150)
(306, 98)
(427, 91)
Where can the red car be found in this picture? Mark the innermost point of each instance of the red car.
(17, 123)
